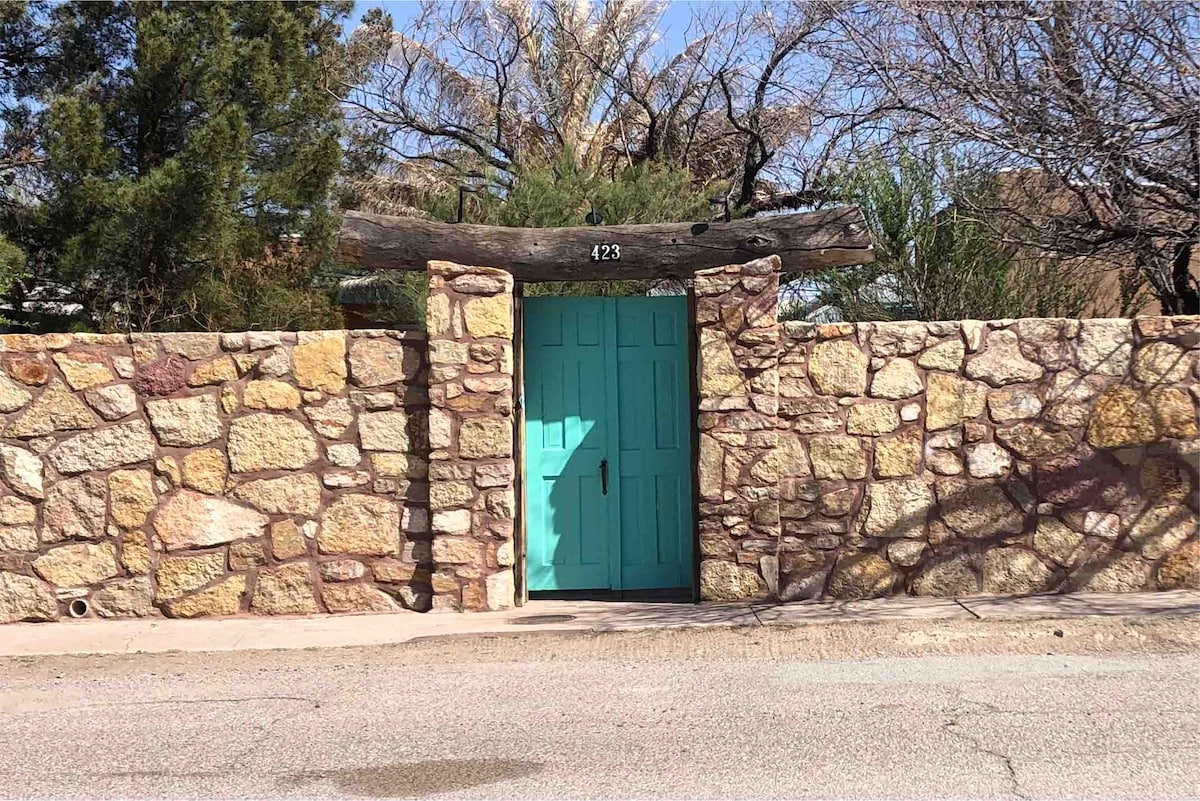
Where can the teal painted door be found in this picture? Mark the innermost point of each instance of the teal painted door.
(607, 456)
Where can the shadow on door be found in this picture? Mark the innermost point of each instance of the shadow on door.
(608, 450)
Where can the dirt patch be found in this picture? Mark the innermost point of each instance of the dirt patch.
(419, 779)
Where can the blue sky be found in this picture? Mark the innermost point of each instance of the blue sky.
(673, 25)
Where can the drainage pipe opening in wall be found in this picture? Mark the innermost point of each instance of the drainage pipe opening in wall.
(78, 608)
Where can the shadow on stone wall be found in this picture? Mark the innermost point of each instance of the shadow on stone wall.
(1063, 462)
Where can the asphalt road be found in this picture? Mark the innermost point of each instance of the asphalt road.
(1105, 710)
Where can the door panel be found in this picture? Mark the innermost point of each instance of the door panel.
(606, 378)
(652, 387)
(566, 433)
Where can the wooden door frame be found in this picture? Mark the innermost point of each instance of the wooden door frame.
(519, 533)
(694, 423)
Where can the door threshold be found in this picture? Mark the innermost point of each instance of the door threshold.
(674, 595)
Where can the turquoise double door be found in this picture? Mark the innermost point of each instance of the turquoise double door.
(607, 444)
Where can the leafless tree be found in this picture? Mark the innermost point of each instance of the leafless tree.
(502, 84)
(1092, 110)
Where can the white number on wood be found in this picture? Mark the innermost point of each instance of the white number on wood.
(606, 252)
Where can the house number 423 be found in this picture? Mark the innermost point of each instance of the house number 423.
(606, 252)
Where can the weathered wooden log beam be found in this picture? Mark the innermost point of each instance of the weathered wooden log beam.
(816, 240)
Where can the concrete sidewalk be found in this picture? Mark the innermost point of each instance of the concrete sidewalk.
(158, 635)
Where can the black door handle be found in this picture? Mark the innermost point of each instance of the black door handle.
(604, 476)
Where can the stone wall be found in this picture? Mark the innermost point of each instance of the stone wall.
(200, 474)
(738, 455)
(945, 458)
(1000, 457)
(469, 318)
(282, 473)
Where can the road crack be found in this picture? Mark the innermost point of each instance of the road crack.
(965, 708)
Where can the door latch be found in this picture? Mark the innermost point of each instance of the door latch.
(604, 476)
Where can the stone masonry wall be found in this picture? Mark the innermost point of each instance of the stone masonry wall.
(945, 458)
(281, 473)
(738, 458)
(204, 474)
(1000, 457)
(469, 318)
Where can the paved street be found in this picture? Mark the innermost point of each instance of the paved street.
(1072, 708)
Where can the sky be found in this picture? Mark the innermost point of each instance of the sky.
(672, 26)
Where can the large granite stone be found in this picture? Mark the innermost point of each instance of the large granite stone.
(185, 422)
(192, 520)
(321, 364)
(131, 497)
(78, 565)
(1015, 571)
(285, 590)
(861, 575)
(56, 409)
(948, 577)
(1179, 571)
(224, 598)
(1001, 361)
(179, 575)
(1105, 347)
(382, 361)
(719, 376)
(269, 442)
(25, 598)
(727, 581)
(1127, 416)
(22, 471)
(298, 494)
(838, 367)
(75, 509)
(950, 400)
(837, 458)
(116, 446)
(897, 508)
(360, 524)
(976, 510)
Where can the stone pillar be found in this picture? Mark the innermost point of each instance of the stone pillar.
(738, 381)
(471, 469)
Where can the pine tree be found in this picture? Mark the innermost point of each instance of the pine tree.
(187, 150)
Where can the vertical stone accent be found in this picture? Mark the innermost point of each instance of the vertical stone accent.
(472, 501)
(738, 382)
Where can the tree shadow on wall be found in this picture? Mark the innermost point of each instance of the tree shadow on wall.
(1115, 513)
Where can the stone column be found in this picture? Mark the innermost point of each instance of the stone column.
(738, 380)
(471, 469)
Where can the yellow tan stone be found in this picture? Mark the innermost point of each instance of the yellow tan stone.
(838, 367)
(83, 369)
(270, 394)
(205, 471)
(950, 400)
(222, 599)
(286, 540)
(1127, 416)
(135, 554)
(489, 316)
(78, 564)
(321, 364)
(217, 371)
(179, 575)
(131, 497)
(872, 419)
(899, 456)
